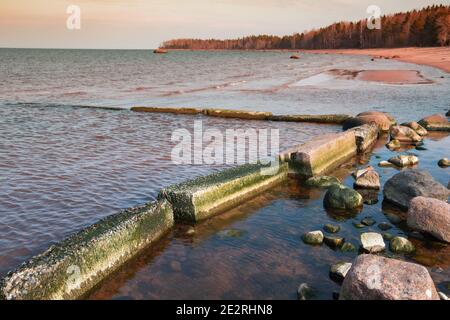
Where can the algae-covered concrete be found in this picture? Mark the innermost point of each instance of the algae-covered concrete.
(237, 114)
(321, 154)
(71, 268)
(319, 118)
(366, 136)
(205, 196)
(167, 110)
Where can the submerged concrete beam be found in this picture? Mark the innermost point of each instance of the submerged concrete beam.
(320, 118)
(237, 114)
(167, 110)
(73, 267)
(205, 196)
(321, 154)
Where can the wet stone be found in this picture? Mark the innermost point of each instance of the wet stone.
(313, 238)
(304, 292)
(388, 236)
(368, 221)
(401, 245)
(334, 241)
(331, 228)
(348, 247)
(384, 226)
(372, 242)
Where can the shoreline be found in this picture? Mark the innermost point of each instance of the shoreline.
(437, 57)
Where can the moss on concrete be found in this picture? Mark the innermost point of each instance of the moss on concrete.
(167, 110)
(321, 118)
(237, 114)
(71, 268)
(205, 196)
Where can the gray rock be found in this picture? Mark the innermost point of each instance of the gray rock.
(334, 241)
(341, 197)
(313, 237)
(444, 163)
(401, 245)
(404, 161)
(331, 228)
(373, 277)
(339, 270)
(348, 247)
(322, 181)
(408, 184)
(304, 292)
(372, 242)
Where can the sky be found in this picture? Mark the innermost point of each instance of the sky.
(145, 24)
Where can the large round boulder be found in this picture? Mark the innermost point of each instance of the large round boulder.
(431, 216)
(404, 134)
(408, 184)
(378, 118)
(373, 277)
(372, 112)
(342, 198)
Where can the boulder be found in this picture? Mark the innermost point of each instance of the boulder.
(348, 247)
(322, 181)
(339, 270)
(304, 292)
(401, 245)
(403, 160)
(404, 134)
(394, 144)
(334, 241)
(380, 119)
(366, 136)
(372, 242)
(421, 131)
(331, 228)
(387, 236)
(342, 198)
(372, 112)
(444, 163)
(431, 216)
(435, 119)
(373, 277)
(367, 178)
(313, 237)
(408, 184)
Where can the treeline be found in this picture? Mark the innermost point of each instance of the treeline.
(428, 27)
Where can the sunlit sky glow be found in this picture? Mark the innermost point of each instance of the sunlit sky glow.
(141, 24)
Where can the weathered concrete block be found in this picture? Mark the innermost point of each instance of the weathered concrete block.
(319, 118)
(366, 136)
(237, 114)
(167, 110)
(321, 154)
(205, 196)
(71, 268)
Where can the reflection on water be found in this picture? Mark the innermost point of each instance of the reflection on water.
(254, 251)
(63, 168)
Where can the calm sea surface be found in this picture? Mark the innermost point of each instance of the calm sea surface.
(63, 167)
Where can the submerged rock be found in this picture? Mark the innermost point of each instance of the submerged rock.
(313, 237)
(370, 196)
(331, 228)
(304, 292)
(404, 134)
(374, 277)
(358, 225)
(348, 247)
(339, 270)
(334, 241)
(401, 245)
(384, 226)
(403, 161)
(394, 144)
(408, 184)
(322, 181)
(367, 178)
(444, 163)
(387, 236)
(372, 242)
(343, 198)
(368, 221)
(421, 131)
(431, 216)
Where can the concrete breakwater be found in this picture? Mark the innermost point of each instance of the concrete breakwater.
(71, 268)
(247, 115)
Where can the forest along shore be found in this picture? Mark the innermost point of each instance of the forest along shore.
(438, 57)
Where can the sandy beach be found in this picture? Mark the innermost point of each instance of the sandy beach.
(438, 57)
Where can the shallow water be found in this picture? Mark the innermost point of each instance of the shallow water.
(63, 168)
(255, 251)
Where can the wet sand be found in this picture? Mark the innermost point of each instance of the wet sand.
(438, 57)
